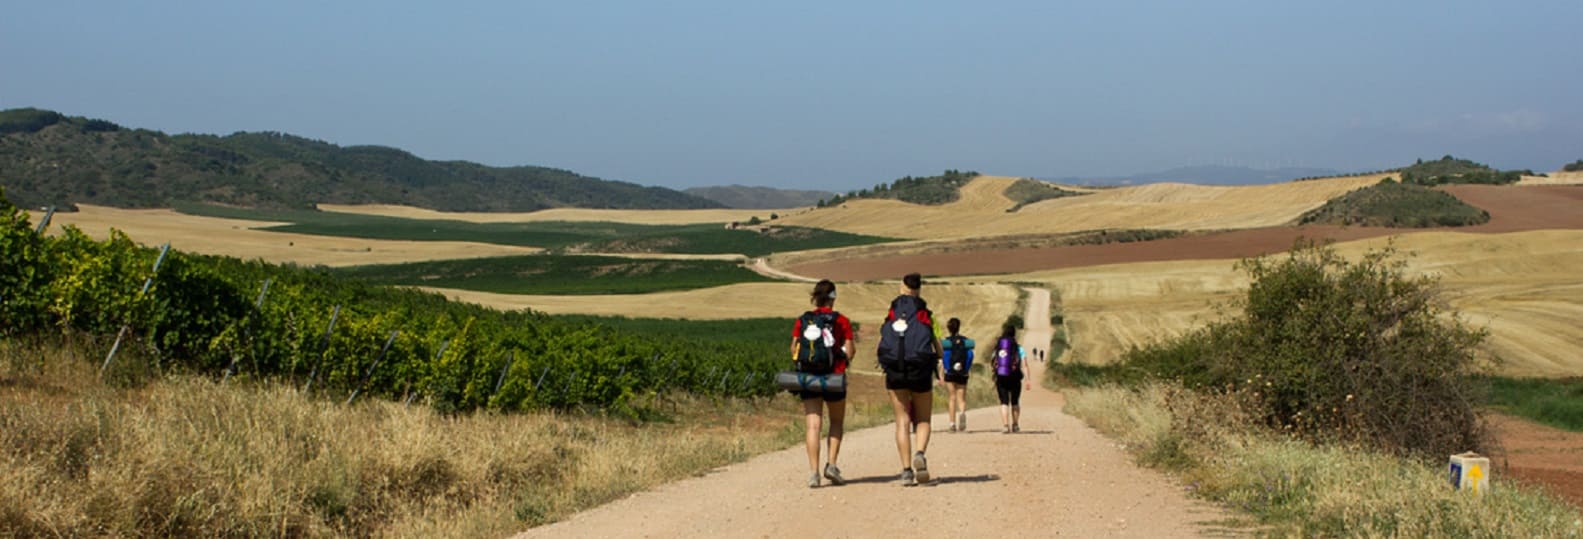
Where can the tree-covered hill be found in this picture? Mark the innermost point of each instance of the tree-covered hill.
(50, 158)
(927, 190)
(754, 197)
(1398, 205)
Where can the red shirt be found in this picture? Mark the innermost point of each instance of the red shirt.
(843, 333)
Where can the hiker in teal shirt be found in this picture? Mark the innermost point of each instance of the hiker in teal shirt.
(954, 364)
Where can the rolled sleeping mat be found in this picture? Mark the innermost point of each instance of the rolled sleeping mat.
(819, 383)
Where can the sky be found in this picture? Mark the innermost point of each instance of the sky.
(829, 95)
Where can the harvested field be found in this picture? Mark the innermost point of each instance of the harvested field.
(1521, 286)
(238, 238)
(641, 217)
(982, 210)
(1511, 209)
(1554, 178)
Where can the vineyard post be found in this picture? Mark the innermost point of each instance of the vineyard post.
(566, 391)
(723, 379)
(437, 355)
(44, 223)
(542, 374)
(257, 304)
(125, 326)
(510, 358)
(370, 372)
(323, 350)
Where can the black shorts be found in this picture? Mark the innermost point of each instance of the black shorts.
(1009, 389)
(956, 378)
(915, 381)
(829, 396)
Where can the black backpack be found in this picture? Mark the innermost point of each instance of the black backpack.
(904, 341)
(816, 342)
(958, 349)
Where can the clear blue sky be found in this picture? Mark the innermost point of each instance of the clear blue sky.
(833, 95)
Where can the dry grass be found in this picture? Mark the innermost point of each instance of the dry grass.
(240, 239)
(643, 217)
(1522, 286)
(185, 456)
(1295, 489)
(1553, 178)
(1155, 206)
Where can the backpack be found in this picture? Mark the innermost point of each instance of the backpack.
(816, 350)
(1006, 358)
(904, 340)
(956, 351)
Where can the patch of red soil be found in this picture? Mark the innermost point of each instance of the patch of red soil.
(1539, 455)
(1511, 208)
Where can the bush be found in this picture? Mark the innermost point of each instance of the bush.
(1338, 351)
(1574, 166)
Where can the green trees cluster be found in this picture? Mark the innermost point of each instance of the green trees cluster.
(1332, 350)
(928, 190)
(1450, 170)
(206, 315)
(48, 158)
(1392, 204)
(1574, 166)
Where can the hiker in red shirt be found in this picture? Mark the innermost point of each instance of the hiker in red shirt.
(822, 343)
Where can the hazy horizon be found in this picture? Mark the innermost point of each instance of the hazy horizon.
(830, 96)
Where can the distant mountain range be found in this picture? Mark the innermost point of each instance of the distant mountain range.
(753, 198)
(50, 158)
(1206, 175)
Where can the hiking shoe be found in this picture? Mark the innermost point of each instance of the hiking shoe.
(1016, 428)
(920, 467)
(908, 479)
(961, 421)
(1005, 429)
(813, 481)
(834, 475)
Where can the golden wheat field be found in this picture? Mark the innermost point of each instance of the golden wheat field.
(981, 210)
(239, 238)
(1553, 178)
(1522, 287)
(639, 217)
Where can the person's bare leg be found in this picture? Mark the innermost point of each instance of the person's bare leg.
(923, 406)
(960, 419)
(811, 412)
(901, 402)
(837, 428)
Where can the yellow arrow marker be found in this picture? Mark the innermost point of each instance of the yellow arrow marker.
(1475, 473)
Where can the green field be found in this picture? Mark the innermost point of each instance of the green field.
(559, 274)
(705, 238)
(1558, 403)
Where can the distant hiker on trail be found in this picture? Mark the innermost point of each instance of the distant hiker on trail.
(822, 344)
(1009, 367)
(955, 362)
(908, 348)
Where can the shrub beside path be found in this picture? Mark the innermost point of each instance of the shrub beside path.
(1056, 478)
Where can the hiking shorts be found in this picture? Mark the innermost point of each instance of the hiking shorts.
(956, 378)
(830, 396)
(1009, 389)
(921, 381)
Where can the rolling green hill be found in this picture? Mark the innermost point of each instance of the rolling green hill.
(49, 158)
(756, 198)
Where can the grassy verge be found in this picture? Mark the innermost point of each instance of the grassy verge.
(186, 456)
(559, 274)
(1557, 403)
(554, 235)
(1292, 488)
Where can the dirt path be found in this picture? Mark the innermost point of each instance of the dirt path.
(762, 266)
(1056, 478)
